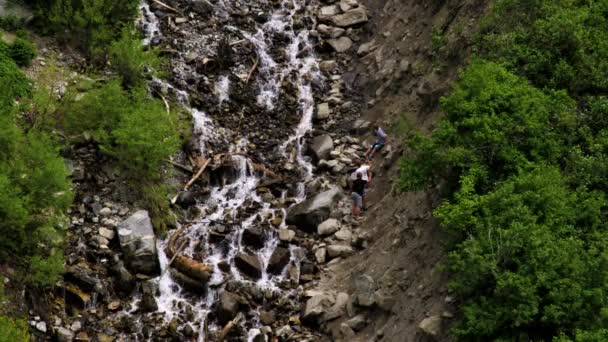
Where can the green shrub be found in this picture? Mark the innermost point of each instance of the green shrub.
(45, 271)
(13, 330)
(496, 124)
(130, 126)
(22, 52)
(13, 82)
(90, 24)
(129, 59)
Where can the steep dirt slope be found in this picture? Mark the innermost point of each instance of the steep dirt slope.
(417, 49)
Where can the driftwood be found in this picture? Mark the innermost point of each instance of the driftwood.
(255, 65)
(229, 326)
(192, 180)
(166, 6)
(193, 269)
(180, 166)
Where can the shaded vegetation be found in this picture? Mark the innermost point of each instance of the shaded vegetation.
(523, 149)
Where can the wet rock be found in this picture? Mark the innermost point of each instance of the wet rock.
(328, 227)
(341, 44)
(267, 317)
(320, 147)
(124, 280)
(328, 66)
(431, 326)
(279, 259)
(286, 235)
(64, 335)
(148, 301)
(323, 111)
(249, 264)
(202, 7)
(186, 199)
(138, 243)
(228, 307)
(357, 323)
(352, 17)
(339, 251)
(309, 214)
(253, 237)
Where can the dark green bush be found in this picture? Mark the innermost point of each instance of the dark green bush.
(129, 125)
(90, 24)
(22, 52)
(556, 43)
(13, 330)
(13, 83)
(129, 59)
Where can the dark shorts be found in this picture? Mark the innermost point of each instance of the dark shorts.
(357, 199)
(378, 146)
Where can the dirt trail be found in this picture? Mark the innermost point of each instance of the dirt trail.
(417, 49)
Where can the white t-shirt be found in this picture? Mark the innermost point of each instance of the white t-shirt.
(363, 169)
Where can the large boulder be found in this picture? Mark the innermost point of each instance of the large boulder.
(278, 260)
(309, 214)
(328, 227)
(352, 17)
(320, 147)
(315, 308)
(138, 244)
(249, 264)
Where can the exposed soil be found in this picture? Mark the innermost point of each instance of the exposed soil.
(407, 248)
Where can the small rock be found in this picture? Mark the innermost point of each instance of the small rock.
(323, 111)
(357, 323)
(41, 326)
(328, 227)
(278, 260)
(76, 326)
(344, 235)
(328, 66)
(352, 17)
(64, 335)
(249, 264)
(339, 251)
(347, 332)
(286, 235)
(228, 307)
(341, 44)
(105, 211)
(321, 255)
(267, 317)
(107, 233)
(431, 326)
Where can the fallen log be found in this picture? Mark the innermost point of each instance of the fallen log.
(196, 270)
(166, 6)
(229, 326)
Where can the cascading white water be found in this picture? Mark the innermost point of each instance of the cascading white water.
(225, 200)
(150, 24)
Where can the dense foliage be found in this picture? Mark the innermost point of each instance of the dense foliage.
(131, 61)
(523, 147)
(34, 186)
(129, 125)
(90, 24)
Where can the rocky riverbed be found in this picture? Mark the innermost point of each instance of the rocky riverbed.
(279, 124)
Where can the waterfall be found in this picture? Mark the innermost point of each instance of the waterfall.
(224, 207)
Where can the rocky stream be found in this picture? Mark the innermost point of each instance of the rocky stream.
(275, 136)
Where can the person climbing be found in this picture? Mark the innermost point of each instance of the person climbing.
(366, 175)
(381, 140)
(358, 192)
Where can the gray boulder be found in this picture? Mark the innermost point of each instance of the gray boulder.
(138, 244)
(64, 334)
(431, 326)
(309, 214)
(228, 307)
(278, 260)
(328, 227)
(315, 308)
(320, 147)
(249, 264)
(341, 44)
(352, 17)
